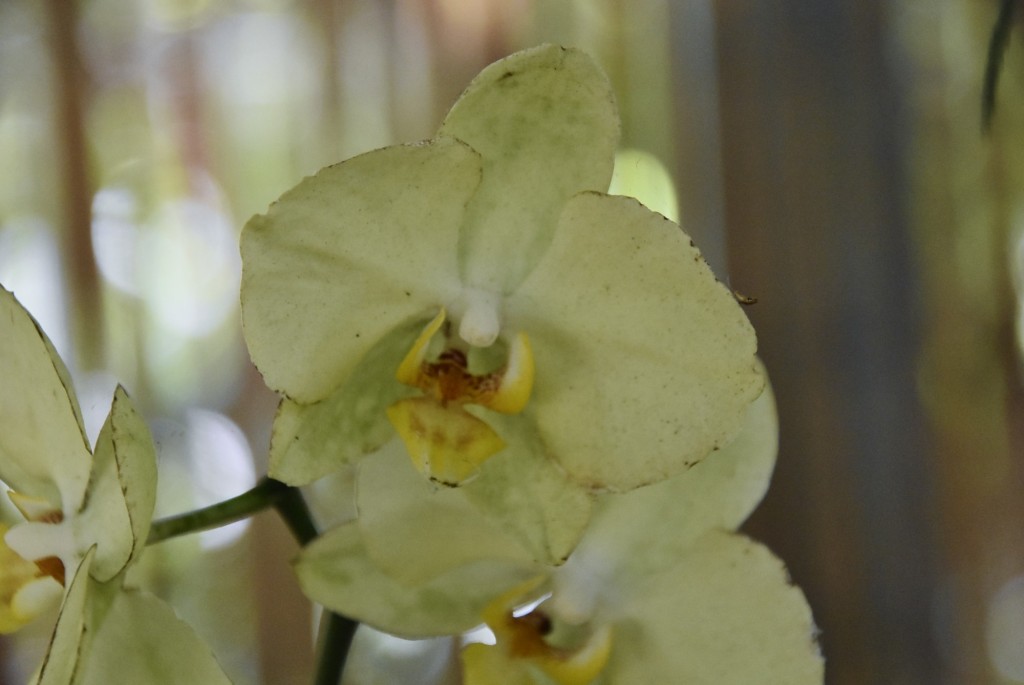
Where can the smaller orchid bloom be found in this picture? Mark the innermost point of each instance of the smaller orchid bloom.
(660, 589)
(87, 514)
(482, 297)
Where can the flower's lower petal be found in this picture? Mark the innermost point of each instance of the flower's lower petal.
(313, 440)
(414, 530)
(491, 665)
(725, 614)
(348, 254)
(336, 571)
(141, 640)
(24, 592)
(645, 363)
(69, 635)
(545, 124)
(646, 530)
(525, 493)
(31, 600)
(376, 658)
(43, 449)
(122, 490)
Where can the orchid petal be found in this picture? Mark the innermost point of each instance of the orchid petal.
(726, 613)
(141, 640)
(122, 490)
(544, 122)
(66, 646)
(525, 493)
(646, 530)
(311, 441)
(43, 448)
(347, 255)
(639, 350)
(492, 665)
(414, 530)
(337, 571)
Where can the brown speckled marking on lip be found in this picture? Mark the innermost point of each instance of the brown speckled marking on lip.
(449, 380)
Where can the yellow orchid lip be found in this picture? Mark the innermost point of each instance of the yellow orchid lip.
(445, 442)
(529, 638)
(448, 444)
(578, 666)
(27, 588)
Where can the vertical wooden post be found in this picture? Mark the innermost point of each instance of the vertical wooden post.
(83, 282)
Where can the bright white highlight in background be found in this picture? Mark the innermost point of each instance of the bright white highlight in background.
(204, 459)
(30, 268)
(222, 467)
(182, 259)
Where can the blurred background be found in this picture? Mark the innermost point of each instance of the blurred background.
(827, 156)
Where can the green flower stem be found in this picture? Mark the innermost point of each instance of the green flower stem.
(266, 493)
(291, 507)
(336, 630)
(336, 633)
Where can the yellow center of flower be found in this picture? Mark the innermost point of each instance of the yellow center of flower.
(446, 442)
(27, 588)
(528, 642)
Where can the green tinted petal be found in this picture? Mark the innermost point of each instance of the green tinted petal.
(725, 615)
(647, 529)
(336, 571)
(136, 466)
(43, 448)
(122, 490)
(312, 440)
(347, 255)
(141, 640)
(491, 665)
(523, 492)
(645, 363)
(414, 530)
(62, 661)
(545, 123)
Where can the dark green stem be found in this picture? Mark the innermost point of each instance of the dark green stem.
(336, 631)
(994, 63)
(292, 508)
(266, 494)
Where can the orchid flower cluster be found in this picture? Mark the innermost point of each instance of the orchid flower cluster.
(548, 414)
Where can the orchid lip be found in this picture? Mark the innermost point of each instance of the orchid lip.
(447, 443)
(529, 636)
